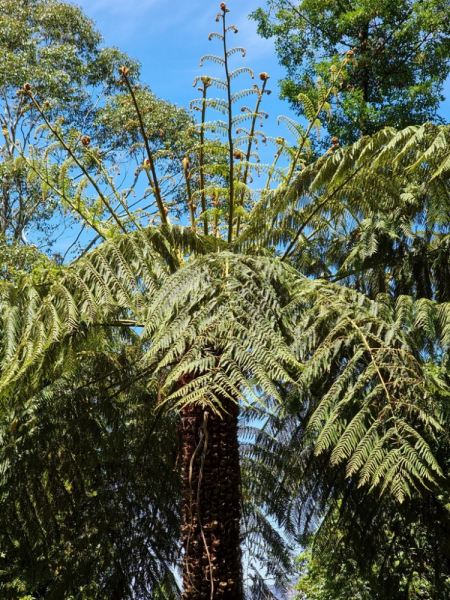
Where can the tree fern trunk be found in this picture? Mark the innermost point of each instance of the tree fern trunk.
(211, 504)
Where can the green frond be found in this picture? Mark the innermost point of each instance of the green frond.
(221, 84)
(308, 107)
(214, 103)
(378, 387)
(292, 126)
(242, 118)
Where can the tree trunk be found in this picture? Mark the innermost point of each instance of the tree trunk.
(211, 503)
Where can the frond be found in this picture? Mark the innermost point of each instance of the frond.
(236, 50)
(240, 71)
(308, 107)
(211, 57)
(292, 126)
(377, 410)
(244, 94)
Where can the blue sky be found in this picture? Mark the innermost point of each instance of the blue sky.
(169, 37)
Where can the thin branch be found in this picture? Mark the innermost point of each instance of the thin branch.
(230, 133)
(77, 162)
(154, 183)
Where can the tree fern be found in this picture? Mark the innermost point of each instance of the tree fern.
(228, 319)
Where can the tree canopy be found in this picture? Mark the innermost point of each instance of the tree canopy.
(57, 47)
(402, 52)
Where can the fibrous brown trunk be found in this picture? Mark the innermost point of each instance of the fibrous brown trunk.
(211, 503)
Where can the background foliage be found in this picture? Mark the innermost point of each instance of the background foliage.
(402, 52)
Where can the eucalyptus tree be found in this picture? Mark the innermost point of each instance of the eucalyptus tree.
(402, 51)
(57, 47)
(225, 321)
